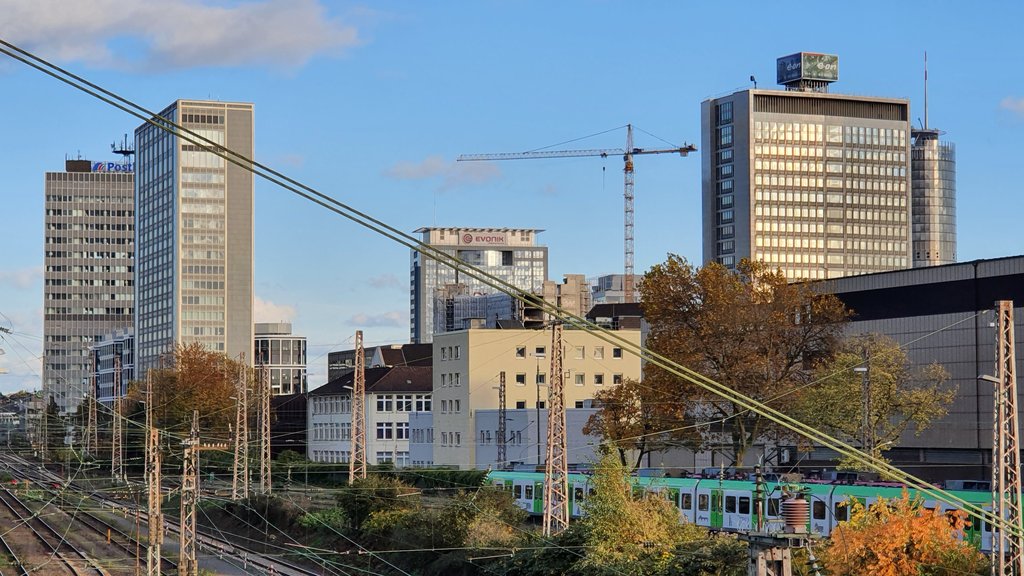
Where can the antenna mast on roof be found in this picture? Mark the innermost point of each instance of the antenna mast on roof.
(125, 150)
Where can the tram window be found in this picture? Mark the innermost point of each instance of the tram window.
(686, 502)
(591, 492)
(819, 510)
(577, 493)
(730, 504)
(529, 492)
(517, 492)
(745, 505)
(840, 511)
(987, 527)
(702, 502)
(774, 507)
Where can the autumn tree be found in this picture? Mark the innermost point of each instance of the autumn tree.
(898, 537)
(194, 379)
(898, 397)
(748, 329)
(633, 419)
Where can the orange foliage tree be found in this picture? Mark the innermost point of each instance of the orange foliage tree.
(900, 537)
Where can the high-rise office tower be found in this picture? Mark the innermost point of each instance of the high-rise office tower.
(194, 234)
(88, 270)
(507, 253)
(812, 183)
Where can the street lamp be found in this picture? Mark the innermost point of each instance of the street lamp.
(867, 435)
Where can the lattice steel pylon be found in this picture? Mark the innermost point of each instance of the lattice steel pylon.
(265, 479)
(1007, 545)
(91, 433)
(357, 465)
(116, 440)
(187, 565)
(153, 494)
(556, 479)
(502, 422)
(240, 470)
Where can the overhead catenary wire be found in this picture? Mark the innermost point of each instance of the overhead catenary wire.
(411, 242)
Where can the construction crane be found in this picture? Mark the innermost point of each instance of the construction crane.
(627, 154)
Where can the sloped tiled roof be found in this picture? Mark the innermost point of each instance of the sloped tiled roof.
(383, 379)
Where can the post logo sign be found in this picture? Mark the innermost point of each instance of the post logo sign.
(113, 167)
(484, 238)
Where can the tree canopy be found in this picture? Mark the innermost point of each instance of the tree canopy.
(748, 329)
(898, 397)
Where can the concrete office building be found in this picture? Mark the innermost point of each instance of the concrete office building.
(816, 184)
(284, 354)
(468, 366)
(509, 254)
(89, 260)
(609, 289)
(194, 234)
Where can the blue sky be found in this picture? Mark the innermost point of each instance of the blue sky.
(371, 103)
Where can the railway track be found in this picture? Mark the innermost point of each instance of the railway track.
(253, 561)
(77, 562)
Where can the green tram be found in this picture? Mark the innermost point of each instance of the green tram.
(728, 505)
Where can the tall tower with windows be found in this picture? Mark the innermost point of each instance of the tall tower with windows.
(89, 260)
(194, 234)
(812, 183)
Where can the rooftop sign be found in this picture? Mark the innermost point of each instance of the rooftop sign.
(113, 167)
(807, 66)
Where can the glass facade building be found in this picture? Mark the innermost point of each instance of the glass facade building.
(814, 184)
(933, 198)
(284, 354)
(194, 234)
(88, 276)
(509, 254)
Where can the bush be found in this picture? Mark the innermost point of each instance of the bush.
(330, 520)
(375, 493)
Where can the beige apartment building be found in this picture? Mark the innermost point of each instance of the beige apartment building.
(467, 371)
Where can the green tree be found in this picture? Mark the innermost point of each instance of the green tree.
(629, 533)
(375, 494)
(900, 396)
(633, 419)
(748, 329)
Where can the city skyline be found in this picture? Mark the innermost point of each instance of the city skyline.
(373, 106)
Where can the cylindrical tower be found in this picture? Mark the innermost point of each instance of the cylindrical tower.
(933, 199)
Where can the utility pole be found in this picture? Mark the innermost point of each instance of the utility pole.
(265, 480)
(240, 471)
(357, 465)
(187, 565)
(556, 479)
(155, 531)
(1007, 544)
(502, 448)
(91, 434)
(116, 449)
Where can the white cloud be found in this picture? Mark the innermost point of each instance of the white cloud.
(176, 34)
(1015, 105)
(21, 278)
(385, 281)
(267, 311)
(376, 320)
(451, 174)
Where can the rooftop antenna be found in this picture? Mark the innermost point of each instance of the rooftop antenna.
(925, 89)
(125, 150)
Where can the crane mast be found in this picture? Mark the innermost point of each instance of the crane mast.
(627, 153)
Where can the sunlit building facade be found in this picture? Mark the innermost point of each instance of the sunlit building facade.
(812, 183)
(511, 255)
(194, 234)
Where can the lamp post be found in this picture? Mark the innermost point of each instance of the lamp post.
(867, 434)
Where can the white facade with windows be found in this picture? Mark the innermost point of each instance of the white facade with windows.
(392, 394)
